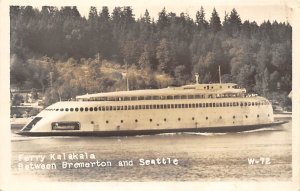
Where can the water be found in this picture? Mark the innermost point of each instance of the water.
(200, 156)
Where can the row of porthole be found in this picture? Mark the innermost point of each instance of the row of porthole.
(193, 118)
(158, 106)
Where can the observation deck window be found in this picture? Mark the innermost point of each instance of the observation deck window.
(170, 97)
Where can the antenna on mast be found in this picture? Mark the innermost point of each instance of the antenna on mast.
(220, 75)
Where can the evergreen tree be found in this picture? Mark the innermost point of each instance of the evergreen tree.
(200, 19)
(215, 22)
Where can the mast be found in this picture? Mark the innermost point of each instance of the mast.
(220, 75)
(197, 78)
(127, 84)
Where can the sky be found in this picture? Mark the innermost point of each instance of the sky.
(255, 10)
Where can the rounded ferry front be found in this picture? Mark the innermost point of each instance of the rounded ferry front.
(190, 108)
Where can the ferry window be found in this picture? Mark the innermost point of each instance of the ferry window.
(234, 103)
(121, 107)
(71, 109)
(67, 109)
(204, 87)
(220, 117)
(245, 104)
(179, 119)
(114, 108)
(142, 107)
(175, 106)
(227, 104)
(61, 109)
(214, 105)
(56, 109)
(268, 115)
(237, 103)
(125, 107)
(81, 109)
(106, 121)
(256, 103)
(169, 97)
(190, 96)
(155, 97)
(183, 97)
(176, 97)
(136, 107)
(133, 98)
(168, 106)
(212, 87)
(111, 99)
(126, 98)
(246, 116)
(210, 96)
(91, 109)
(121, 98)
(172, 106)
(233, 117)
(193, 105)
(193, 118)
(162, 97)
(220, 86)
(150, 120)
(136, 120)
(179, 105)
(76, 109)
(206, 118)
(197, 96)
(95, 109)
(147, 97)
(252, 103)
(141, 98)
(121, 121)
(249, 103)
(208, 87)
(182, 105)
(198, 105)
(186, 105)
(103, 108)
(241, 103)
(210, 104)
(257, 116)
(68, 125)
(165, 119)
(230, 104)
(118, 107)
(217, 104)
(86, 109)
(207, 104)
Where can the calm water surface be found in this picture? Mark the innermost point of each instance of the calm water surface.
(201, 156)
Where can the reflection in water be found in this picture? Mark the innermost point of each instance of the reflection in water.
(201, 156)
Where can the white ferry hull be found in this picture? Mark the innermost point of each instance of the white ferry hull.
(155, 131)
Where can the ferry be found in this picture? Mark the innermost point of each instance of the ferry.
(217, 107)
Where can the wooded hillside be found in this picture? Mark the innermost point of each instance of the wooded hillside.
(64, 54)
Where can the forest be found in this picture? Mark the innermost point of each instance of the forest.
(64, 54)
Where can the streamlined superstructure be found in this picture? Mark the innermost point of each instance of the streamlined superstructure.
(218, 107)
